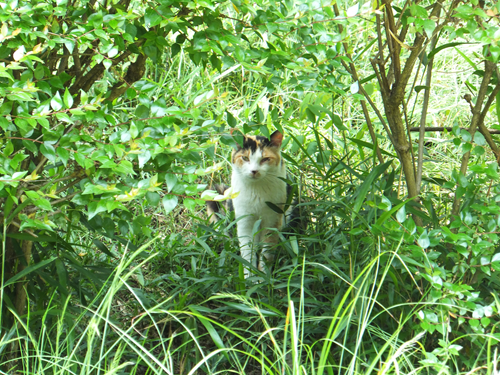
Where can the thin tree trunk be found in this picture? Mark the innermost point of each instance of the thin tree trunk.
(20, 301)
(351, 68)
(401, 144)
(423, 117)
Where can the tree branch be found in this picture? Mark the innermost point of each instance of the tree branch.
(134, 73)
(63, 62)
(391, 32)
(448, 128)
(423, 117)
(489, 68)
(52, 203)
(352, 70)
(489, 139)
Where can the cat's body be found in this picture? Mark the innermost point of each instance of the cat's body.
(258, 173)
(257, 177)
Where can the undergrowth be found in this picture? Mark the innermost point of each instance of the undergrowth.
(310, 318)
(361, 291)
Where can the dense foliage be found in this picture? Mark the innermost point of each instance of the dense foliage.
(115, 117)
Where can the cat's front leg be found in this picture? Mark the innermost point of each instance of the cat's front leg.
(245, 238)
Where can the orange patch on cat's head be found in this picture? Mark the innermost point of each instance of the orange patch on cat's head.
(238, 155)
(273, 153)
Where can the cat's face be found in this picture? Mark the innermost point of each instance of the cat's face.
(259, 157)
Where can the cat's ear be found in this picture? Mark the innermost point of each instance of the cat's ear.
(276, 138)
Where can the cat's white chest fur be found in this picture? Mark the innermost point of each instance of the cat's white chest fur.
(253, 195)
(258, 170)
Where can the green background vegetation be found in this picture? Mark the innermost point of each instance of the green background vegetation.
(115, 116)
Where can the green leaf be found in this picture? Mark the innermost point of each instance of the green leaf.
(9, 149)
(62, 275)
(169, 203)
(239, 54)
(478, 150)
(423, 241)
(33, 195)
(14, 162)
(96, 19)
(56, 102)
(131, 93)
(28, 270)
(142, 111)
(420, 88)
(125, 167)
(367, 185)
(80, 159)
(20, 96)
(153, 198)
(48, 151)
(6, 108)
(134, 131)
(429, 26)
(4, 123)
(275, 208)
(103, 248)
(151, 52)
(492, 170)
(474, 323)
(68, 99)
(189, 203)
(64, 117)
(370, 146)
(96, 207)
(22, 124)
(152, 18)
(210, 329)
(144, 158)
(175, 49)
(171, 180)
(354, 87)
(231, 121)
(43, 122)
(485, 322)
(337, 121)
(43, 203)
(418, 11)
(63, 154)
(310, 115)
(466, 58)
(442, 47)
(401, 213)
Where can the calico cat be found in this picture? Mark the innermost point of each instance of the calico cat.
(258, 173)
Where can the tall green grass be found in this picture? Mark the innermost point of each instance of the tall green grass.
(234, 332)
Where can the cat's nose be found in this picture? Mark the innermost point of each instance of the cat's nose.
(254, 173)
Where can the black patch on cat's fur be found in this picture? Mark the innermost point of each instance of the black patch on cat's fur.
(258, 142)
(252, 144)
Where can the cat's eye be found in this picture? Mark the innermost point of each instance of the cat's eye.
(265, 160)
(245, 158)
